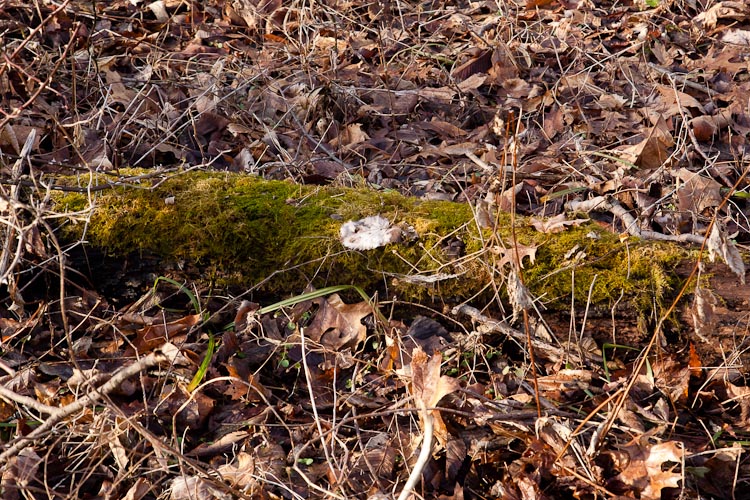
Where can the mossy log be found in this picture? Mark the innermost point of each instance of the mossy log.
(241, 231)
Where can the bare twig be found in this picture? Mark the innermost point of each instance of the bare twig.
(489, 325)
(424, 454)
(9, 395)
(679, 78)
(168, 353)
(604, 204)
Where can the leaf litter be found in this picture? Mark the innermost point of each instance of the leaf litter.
(633, 112)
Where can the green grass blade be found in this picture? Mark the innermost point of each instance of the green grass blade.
(183, 289)
(203, 368)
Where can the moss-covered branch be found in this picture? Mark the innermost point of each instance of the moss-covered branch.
(243, 230)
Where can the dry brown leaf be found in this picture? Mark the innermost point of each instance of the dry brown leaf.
(737, 37)
(478, 64)
(403, 102)
(459, 149)
(191, 409)
(140, 489)
(534, 4)
(721, 10)
(651, 152)
(429, 387)
(11, 328)
(444, 130)
(152, 336)
(611, 101)
(516, 254)
(518, 295)
(338, 325)
(506, 198)
(241, 472)
(740, 394)
(20, 472)
(520, 89)
(704, 127)
(703, 312)
(673, 102)
(472, 83)
(670, 375)
(554, 122)
(13, 138)
(94, 152)
(719, 244)
(350, 136)
(376, 462)
(565, 380)
(694, 362)
(558, 435)
(192, 488)
(729, 58)
(644, 471)
(697, 192)
(252, 390)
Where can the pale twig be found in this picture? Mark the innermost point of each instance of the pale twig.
(167, 353)
(321, 434)
(424, 454)
(7, 369)
(489, 325)
(601, 203)
(9, 395)
(679, 78)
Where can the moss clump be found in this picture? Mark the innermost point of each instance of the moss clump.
(593, 266)
(246, 230)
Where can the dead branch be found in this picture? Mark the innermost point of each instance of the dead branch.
(168, 354)
(604, 204)
(489, 325)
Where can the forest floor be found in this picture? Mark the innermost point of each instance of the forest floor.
(632, 114)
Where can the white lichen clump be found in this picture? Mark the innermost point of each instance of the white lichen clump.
(369, 233)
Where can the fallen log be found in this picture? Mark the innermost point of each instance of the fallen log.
(275, 237)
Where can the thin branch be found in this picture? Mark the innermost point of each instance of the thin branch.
(424, 455)
(603, 204)
(489, 325)
(167, 354)
(9, 395)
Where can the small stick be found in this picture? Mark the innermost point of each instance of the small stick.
(424, 454)
(60, 414)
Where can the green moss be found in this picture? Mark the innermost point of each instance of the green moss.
(247, 229)
(594, 266)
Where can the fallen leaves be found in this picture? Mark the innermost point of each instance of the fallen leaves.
(156, 333)
(337, 325)
(697, 192)
(555, 224)
(648, 469)
(651, 152)
(510, 104)
(718, 244)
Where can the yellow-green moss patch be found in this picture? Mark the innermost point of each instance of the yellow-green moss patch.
(246, 230)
